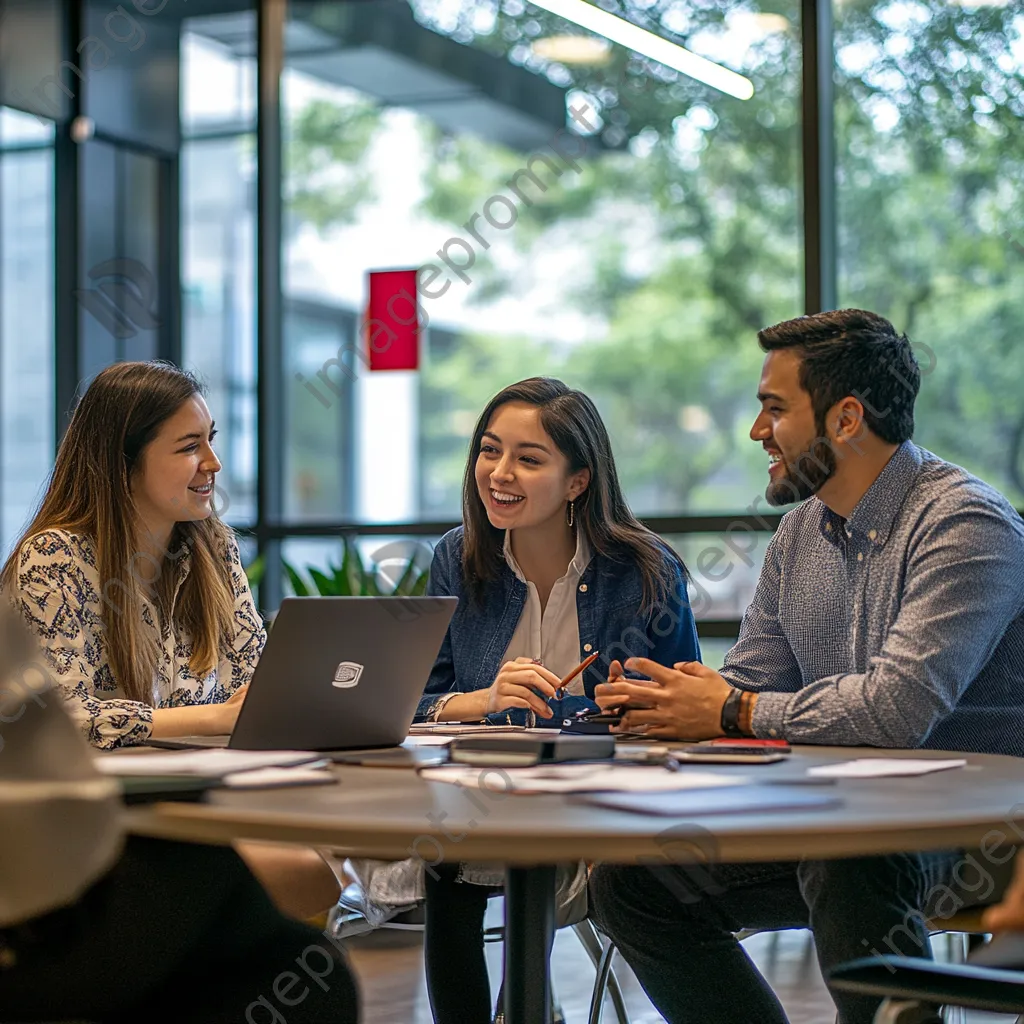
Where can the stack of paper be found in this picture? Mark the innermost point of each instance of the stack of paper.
(580, 778)
(236, 768)
(884, 767)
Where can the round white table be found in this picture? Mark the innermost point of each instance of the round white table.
(393, 813)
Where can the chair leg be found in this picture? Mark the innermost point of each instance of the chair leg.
(604, 970)
(588, 935)
(601, 952)
(618, 999)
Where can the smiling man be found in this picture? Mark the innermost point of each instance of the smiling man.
(889, 613)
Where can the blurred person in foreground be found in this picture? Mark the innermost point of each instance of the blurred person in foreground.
(98, 927)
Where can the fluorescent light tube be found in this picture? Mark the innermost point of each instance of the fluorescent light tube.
(618, 30)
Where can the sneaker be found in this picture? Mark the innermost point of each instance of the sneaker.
(348, 917)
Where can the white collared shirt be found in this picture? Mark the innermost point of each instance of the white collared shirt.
(553, 635)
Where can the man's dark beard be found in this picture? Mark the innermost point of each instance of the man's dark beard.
(812, 469)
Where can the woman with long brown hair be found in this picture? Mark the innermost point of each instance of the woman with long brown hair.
(133, 587)
(130, 581)
(550, 567)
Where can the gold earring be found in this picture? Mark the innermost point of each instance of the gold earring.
(571, 514)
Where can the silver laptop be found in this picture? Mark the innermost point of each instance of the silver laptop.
(338, 673)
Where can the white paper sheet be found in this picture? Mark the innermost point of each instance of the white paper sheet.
(579, 778)
(881, 767)
(205, 763)
(265, 778)
(426, 740)
(468, 728)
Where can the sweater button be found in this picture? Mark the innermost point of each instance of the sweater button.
(588, 648)
(583, 587)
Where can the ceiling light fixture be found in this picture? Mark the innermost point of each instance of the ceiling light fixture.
(573, 49)
(638, 39)
(757, 24)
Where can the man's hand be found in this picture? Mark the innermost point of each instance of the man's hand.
(683, 702)
(1008, 915)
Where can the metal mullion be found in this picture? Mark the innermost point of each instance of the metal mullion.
(718, 629)
(664, 525)
(3, 479)
(25, 147)
(170, 343)
(818, 150)
(119, 204)
(67, 239)
(129, 145)
(271, 16)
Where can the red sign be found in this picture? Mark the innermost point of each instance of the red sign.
(392, 321)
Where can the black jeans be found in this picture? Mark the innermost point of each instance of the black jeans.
(174, 932)
(675, 924)
(453, 948)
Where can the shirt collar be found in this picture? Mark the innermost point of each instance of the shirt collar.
(874, 515)
(579, 562)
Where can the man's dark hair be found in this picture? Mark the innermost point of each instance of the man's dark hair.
(853, 352)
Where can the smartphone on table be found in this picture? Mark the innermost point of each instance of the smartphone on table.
(739, 751)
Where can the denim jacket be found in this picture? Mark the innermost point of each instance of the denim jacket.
(608, 602)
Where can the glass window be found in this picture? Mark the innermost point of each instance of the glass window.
(318, 461)
(218, 73)
(385, 560)
(635, 259)
(713, 651)
(26, 318)
(931, 210)
(218, 189)
(723, 569)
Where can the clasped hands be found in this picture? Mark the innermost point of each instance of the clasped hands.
(683, 702)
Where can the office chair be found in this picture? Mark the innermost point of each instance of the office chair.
(916, 989)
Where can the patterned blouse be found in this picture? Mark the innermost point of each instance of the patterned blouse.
(58, 594)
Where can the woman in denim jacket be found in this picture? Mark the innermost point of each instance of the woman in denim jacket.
(549, 567)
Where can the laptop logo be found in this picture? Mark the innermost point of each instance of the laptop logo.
(347, 674)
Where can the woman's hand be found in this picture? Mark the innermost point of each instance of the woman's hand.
(199, 719)
(228, 711)
(523, 683)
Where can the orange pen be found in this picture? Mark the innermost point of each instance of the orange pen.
(582, 666)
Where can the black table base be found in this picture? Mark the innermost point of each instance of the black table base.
(529, 931)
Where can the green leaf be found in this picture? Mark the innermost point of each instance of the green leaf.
(345, 571)
(255, 570)
(353, 568)
(326, 586)
(419, 588)
(408, 579)
(299, 586)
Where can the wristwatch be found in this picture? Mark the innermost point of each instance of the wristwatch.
(731, 713)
